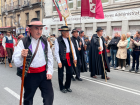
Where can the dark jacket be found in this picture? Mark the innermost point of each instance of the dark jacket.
(113, 43)
(137, 39)
(95, 59)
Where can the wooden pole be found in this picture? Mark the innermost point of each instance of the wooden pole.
(103, 63)
(22, 82)
(70, 41)
(5, 58)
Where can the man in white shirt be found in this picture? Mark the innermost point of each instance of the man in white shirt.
(63, 55)
(8, 44)
(81, 65)
(38, 69)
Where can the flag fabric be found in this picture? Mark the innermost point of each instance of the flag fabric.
(62, 8)
(92, 8)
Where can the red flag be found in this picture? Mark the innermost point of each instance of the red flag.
(59, 13)
(92, 8)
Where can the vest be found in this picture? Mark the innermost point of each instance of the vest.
(62, 49)
(9, 43)
(27, 45)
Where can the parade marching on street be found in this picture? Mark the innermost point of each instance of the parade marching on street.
(69, 52)
(122, 89)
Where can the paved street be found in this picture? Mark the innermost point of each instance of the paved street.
(122, 89)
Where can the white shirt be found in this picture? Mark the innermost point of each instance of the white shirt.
(39, 59)
(9, 38)
(83, 41)
(77, 44)
(67, 49)
(101, 43)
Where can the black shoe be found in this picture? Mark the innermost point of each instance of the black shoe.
(69, 90)
(73, 79)
(137, 70)
(132, 69)
(106, 78)
(79, 79)
(64, 91)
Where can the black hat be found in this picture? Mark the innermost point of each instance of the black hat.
(64, 28)
(99, 29)
(74, 30)
(81, 32)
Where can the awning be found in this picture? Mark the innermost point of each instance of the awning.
(6, 28)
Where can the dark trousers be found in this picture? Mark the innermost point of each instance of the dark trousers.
(113, 55)
(109, 59)
(10, 53)
(121, 62)
(136, 58)
(32, 82)
(61, 75)
(128, 57)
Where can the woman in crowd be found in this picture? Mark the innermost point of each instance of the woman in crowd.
(107, 41)
(2, 52)
(122, 52)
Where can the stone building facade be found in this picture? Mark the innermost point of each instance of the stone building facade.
(16, 14)
(120, 16)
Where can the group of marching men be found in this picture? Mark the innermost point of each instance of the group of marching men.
(69, 53)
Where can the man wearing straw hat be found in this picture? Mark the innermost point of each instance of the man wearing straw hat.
(63, 55)
(98, 62)
(39, 64)
(8, 44)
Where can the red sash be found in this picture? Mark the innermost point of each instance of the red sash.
(68, 59)
(37, 70)
(100, 52)
(9, 45)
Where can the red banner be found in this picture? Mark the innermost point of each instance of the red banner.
(92, 8)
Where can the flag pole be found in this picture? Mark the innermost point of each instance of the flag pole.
(5, 59)
(103, 64)
(22, 82)
(70, 40)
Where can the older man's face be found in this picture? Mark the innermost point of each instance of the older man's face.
(65, 34)
(36, 31)
(128, 35)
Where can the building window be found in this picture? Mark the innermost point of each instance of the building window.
(11, 21)
(38, 14)
(70, 3)
(78, 3)
(18, 20)
(104, 1)
(54, 8)
(27, 19)
(5, 21)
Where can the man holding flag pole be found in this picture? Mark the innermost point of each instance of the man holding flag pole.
(98, 62)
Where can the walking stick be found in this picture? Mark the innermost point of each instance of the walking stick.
(5, 58)
(103, 64)
(22, 82)
(70, 41)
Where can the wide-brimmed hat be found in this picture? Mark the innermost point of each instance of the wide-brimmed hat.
(99, 29)
(74, 30)
(36, 23)
(64, 28)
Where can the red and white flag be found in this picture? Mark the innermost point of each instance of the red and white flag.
(92, 8)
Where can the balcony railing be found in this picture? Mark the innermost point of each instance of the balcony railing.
(19, 4)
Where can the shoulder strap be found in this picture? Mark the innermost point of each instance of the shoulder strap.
(35, 51)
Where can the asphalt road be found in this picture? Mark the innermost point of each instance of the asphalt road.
(122, 89)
